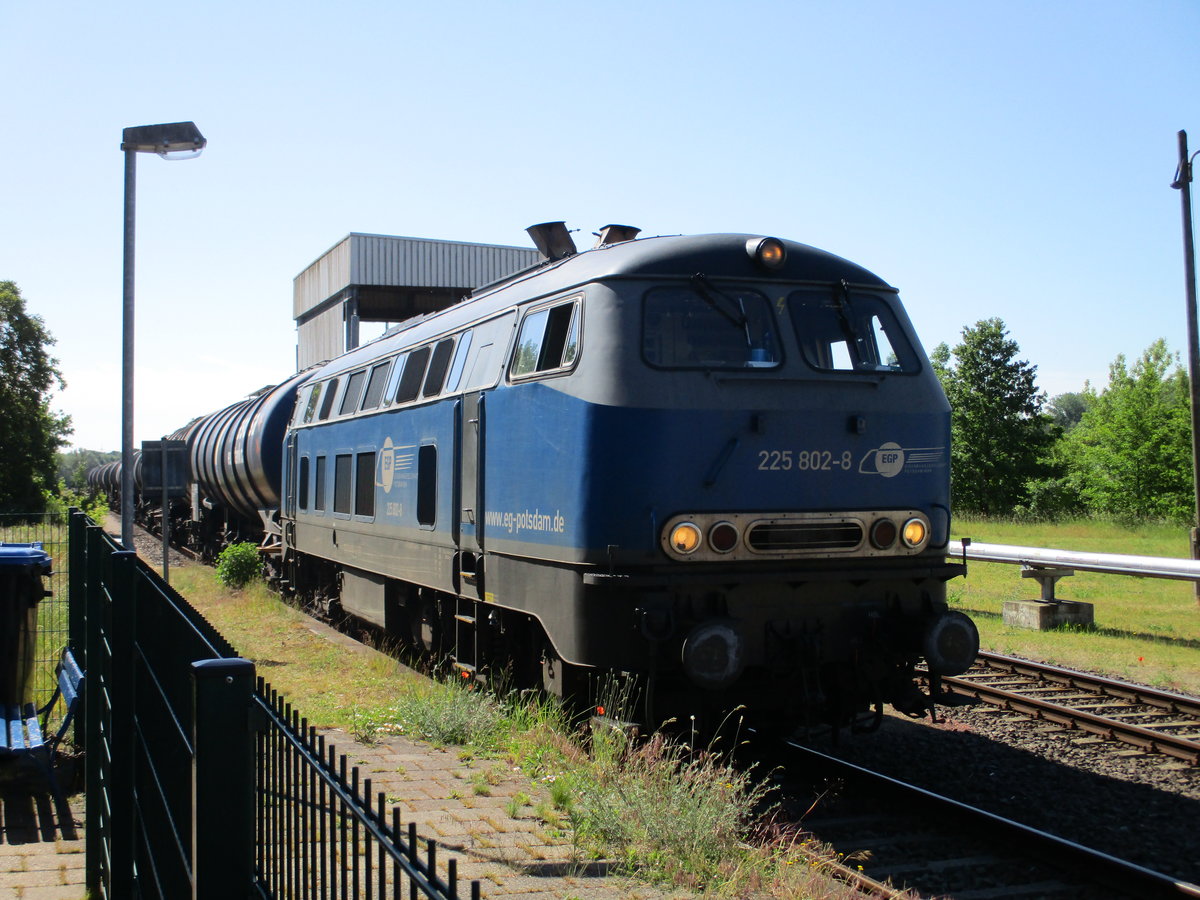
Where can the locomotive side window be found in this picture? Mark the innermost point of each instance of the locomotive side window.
(460, 360)
(327, 403)
(549, 340)
(343, 480)
(703, 326)
(353, 392)
(313, 398)
(379, 376)
(427, 485)
(437, 368)
(364, 485)
(414, 374)
(319, 497)
(302, 490)
(844, 331)
(389, 392)
(488, 346)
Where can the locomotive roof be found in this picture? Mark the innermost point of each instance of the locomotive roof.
(714, 255)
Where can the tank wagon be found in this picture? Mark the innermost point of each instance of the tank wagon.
(718, 464)
(235, 475)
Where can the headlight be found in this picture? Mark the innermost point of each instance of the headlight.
(767, 252)
(914, 533)
(685, 538)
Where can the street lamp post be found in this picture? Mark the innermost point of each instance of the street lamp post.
(1183, 183)
(174, 140)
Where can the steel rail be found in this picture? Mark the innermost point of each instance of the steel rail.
(1179, 703)
(1102, 867)
(1111, 563)
(1146, 738)
(1114, 729)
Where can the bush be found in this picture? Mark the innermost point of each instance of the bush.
(1051, 500)
(93, 505)
(238, 565)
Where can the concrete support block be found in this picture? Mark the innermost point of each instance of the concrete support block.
(1039, 615)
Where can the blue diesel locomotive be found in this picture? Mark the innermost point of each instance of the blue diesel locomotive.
(717, 465)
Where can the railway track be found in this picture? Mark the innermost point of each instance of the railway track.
(892, 836)
(1151, 720)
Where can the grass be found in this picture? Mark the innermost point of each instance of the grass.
(1146, 629)
(661, 813)
(328, 684)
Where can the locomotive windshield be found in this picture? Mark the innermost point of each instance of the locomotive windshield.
(843, 330)
(702, 326)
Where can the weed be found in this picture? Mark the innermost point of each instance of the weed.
(560, 793)
(674, 812)
(547, 814)
(364, 726)
(480, 786)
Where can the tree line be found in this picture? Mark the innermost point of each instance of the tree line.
(1123, 451)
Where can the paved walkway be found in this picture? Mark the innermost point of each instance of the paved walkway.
(41, 848)
(467, 805)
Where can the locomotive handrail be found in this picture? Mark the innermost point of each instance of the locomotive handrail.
(1112, 563)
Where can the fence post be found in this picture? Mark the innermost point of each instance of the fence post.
(120, 627)
(222, 779)
(76, 583)
(97, 827)
(77, 609)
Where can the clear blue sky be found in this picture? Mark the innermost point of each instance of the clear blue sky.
(989, 159)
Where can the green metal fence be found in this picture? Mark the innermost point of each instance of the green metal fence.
(201, 781)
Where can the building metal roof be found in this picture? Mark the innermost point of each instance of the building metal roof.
(381, 278)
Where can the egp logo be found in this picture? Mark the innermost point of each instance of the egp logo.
(387, 466)
(886, 460)
(891, 459)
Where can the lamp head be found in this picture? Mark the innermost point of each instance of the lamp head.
(172, 140)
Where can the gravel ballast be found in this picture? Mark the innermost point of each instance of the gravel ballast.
(1102, 794)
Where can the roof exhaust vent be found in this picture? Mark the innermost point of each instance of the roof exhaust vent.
(552, 240)
(616, 234)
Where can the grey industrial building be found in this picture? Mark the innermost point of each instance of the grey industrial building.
(380, 278)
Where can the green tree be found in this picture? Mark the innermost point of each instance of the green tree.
(74, 465)
(1131, 453)
(30, 433)
(999, 434)
(1067, 409)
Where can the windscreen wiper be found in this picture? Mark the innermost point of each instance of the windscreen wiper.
(841, 299)
(711, 294)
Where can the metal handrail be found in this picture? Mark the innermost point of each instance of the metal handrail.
(1112, 563)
